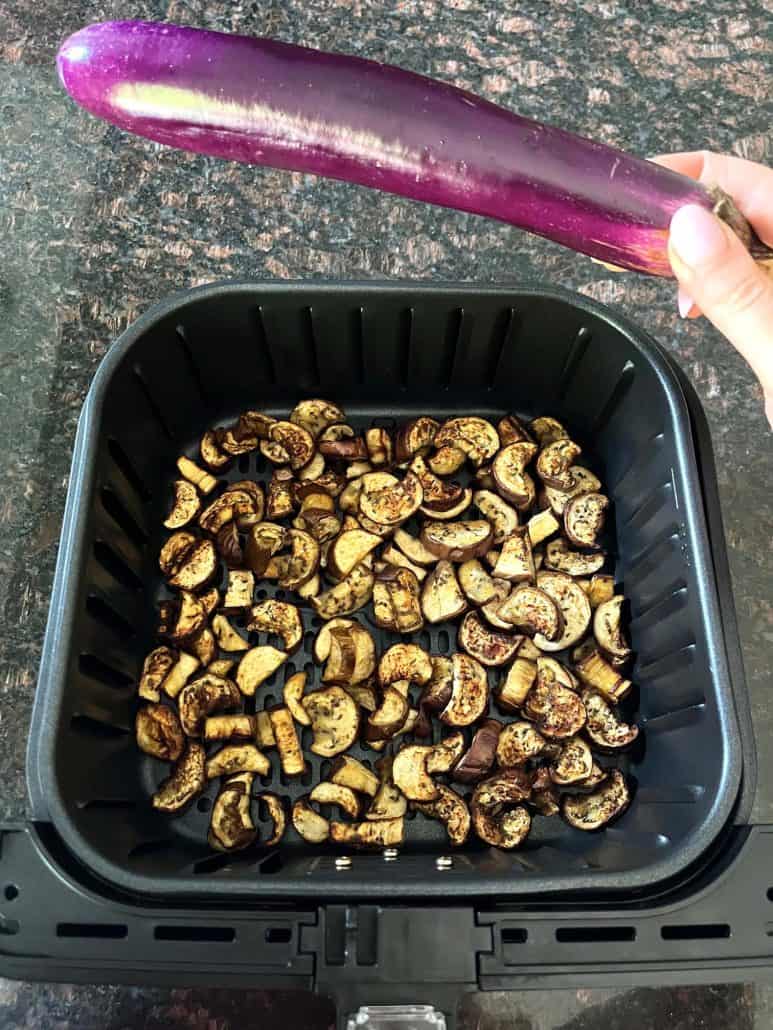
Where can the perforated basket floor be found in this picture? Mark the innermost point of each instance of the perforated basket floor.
(385, 354)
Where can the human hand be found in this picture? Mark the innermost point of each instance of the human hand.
(716, 274)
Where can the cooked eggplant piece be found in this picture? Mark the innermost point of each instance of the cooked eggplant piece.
(264, 732)
(491, 647)
(592, 811)
(257, 665)
(510, 476)
(541, 526)
(389, 802)
(594, 671)
(379, 445)
(327, 793)
(544, 796)
(288, 443)
(603, 727)
(396, 602)
(181, 618)
(409, 773)
(175, 551)
(195, 474)
(363, 522)
(558, 712)
(478, 759)
(364, 658)
(518, 742)
(349, 549)
(584, 483)
(211, 453)
(247, 512)
(287, 743)
(528, 650)
(608, 631)
(295, 569)
(310, 588)
(392, 556)
(384, 833)
(503, 518)
(335, 720)
(159, 733)
(348, 772)
(457, 541)
(313, 470)
(415, 437)
(444, 756)
(441, 595)
(490, 610)
(477, 584)
(533, 611)
(353, 592)
(229, 546)
(469, 692)
(186, 505)
(349, 501)
(280, 498)
(179, 674)
(196, 568)
(547, 430)
(516, 560)
(551, 670)
(574, 763)
(388, 501)
(315, 415)
(292, 696)
(210, 599)
(225, 509)
(561, 558)
(276, 811)
(448, 514)
(438, 495)
(227, 637)
(512, 430)
(229, 727)
(447, 460)
(406, 662)
(155, 670)
(413, 548)
(597, 776)
(238, 595)
(237, 758)
(204, 646)
(342, 657)
(279, 618)
(264, 541)
(498, 818)
(436, 694)
(221, 667)
(474, 436)
(451, 809)
(231, 827)
(584, 519)
(309, 824)
(388, 717)
(364, 694)
(555, 461)
(186, 782)
(573, 605)
(517, 684)
(353, 449)
(600, 589)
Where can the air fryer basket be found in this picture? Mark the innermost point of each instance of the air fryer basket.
(385, 353)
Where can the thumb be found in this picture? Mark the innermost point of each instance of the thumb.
(718, 273)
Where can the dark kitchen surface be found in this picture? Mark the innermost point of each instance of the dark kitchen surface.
(95, 226)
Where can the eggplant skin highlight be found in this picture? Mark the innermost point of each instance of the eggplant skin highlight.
(264, 102)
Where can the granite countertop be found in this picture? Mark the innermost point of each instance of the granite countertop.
(95, 226)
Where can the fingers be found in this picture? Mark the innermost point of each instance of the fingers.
(749, 184)
(715, 270)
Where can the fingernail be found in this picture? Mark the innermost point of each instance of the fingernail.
(684, 302)
(696, 236)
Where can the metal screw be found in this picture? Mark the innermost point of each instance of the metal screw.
(444, 862)
(343, 862)
(390, 854)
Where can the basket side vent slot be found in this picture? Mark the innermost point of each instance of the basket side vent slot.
(594, 934)
(695, 932)
(126, 466)
(101, 931)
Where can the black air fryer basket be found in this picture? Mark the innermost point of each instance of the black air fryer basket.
(386, 353)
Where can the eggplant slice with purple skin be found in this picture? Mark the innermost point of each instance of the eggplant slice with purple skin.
(479, 757)
(497, 807)
(592, 811)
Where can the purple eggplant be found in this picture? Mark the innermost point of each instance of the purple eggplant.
(269, 103)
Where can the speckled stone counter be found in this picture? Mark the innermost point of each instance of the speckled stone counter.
(95, 226)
